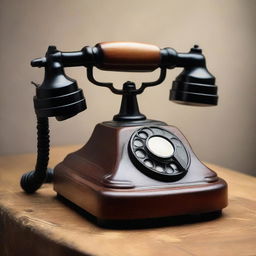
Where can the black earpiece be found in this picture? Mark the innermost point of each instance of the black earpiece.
(59, 94)
(195, 85)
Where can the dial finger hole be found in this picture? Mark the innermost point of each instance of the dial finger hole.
(174, 167)
(169, 170)
(159, 168)
(148, 131)
(149, 163)
(157, 131)
(138, 143)
(140, 153)
(143, 135)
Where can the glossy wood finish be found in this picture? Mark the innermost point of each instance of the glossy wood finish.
(41, 225)
(129, 56)
(101, 179)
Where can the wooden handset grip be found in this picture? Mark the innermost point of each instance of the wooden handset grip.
(129, 56)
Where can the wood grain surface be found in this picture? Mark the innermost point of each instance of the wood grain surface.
(40, 224)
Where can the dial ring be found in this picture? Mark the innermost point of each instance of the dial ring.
(170, 165)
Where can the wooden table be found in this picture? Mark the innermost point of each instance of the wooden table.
(40, 224)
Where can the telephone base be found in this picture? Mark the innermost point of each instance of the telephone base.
(101, 179)
(142, 223)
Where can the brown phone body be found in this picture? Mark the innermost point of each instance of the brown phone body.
(101, 179)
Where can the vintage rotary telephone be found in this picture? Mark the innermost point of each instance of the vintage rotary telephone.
(132, 167)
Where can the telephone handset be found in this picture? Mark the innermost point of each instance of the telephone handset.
(131, 167)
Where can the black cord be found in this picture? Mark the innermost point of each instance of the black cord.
(33, 180)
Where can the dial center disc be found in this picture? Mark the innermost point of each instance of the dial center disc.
(160, 147)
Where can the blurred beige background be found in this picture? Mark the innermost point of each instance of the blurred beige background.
(224, 135)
